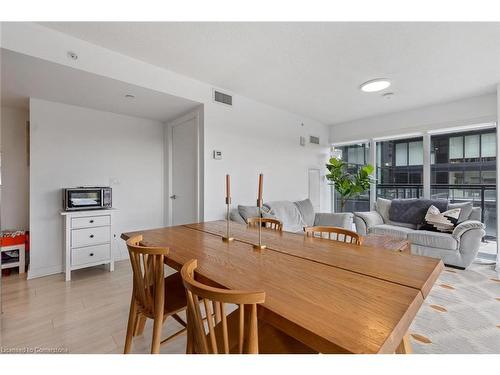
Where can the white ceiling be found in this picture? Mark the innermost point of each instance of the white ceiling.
(315, 69)
(25, 76)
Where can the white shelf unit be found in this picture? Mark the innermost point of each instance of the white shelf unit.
(21, 263)
(88, 239)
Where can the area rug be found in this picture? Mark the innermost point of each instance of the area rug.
(461, 314)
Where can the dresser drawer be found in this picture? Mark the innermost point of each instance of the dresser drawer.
(90, 221)
(90, 254)
(90, 236)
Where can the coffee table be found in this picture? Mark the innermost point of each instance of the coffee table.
(387, 242)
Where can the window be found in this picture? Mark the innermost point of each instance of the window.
(400, 168)
(456, 148)
(401, 154)
(488, 145)
(356, 156)
(464, 169)
(472, 146)
(416, 153)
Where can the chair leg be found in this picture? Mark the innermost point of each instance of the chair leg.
(132, 319)
(139, 325)
(157, 328)
(405, 346)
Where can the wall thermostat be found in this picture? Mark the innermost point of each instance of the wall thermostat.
(217, 155)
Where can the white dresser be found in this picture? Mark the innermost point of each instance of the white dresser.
(88, 239)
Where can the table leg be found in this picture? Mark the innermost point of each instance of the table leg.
(404, 346)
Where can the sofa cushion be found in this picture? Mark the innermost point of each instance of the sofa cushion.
(382, 206)
(436, 240)
(465, 210)
(248, 211)
(288, 213)
(234, 215)
(398, 232)
(341, 220)
(307, 210)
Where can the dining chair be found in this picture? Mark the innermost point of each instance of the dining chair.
(154, 296)
(239, 332)
(266, 223)
(334, 233)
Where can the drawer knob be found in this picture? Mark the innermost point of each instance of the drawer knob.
(91, 254)
(91, 221)
(91, 236)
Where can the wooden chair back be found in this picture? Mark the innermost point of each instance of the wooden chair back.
(211, 343)
(148, 275)
(269, 223)
(334, 233)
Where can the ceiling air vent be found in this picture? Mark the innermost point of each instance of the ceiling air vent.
(220, 97)
(314, 140)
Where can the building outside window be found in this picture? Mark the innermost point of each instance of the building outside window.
(400, 168)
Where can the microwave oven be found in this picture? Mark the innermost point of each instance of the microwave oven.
(87, 198)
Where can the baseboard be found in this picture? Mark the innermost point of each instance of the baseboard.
(44, 271)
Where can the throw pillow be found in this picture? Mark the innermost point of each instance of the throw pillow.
(441, 221)
(465, 210)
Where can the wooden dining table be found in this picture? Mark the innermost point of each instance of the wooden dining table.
(331, 296)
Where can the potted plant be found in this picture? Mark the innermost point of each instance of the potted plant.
(349, 185)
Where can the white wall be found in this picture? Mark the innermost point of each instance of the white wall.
(15, 170)
(74, 146)
(462, 112)
(253, 137)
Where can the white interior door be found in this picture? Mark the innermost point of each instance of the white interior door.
(184, 191)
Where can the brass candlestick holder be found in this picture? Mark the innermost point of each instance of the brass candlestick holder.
(259, 245)
(227, 237)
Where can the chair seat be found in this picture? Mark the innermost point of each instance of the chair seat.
(271, 340)
(175, 296)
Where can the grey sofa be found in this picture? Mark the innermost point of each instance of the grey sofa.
(294, 215)
(458, 249)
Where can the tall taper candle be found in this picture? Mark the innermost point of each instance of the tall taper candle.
(228, 187)
(261, 178)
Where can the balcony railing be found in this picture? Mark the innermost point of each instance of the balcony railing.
(483, 196)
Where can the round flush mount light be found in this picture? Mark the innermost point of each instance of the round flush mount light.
(130, 96)
(375, 85)
(388, 95)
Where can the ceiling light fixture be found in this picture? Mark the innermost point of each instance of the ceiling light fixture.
(375, 85)
(388, 95)
(130, 96)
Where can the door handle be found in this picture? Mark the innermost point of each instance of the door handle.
(173, 196)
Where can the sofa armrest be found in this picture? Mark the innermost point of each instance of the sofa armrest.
(342, 220)
(469, 235)
(371, 218)
(468, 225)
